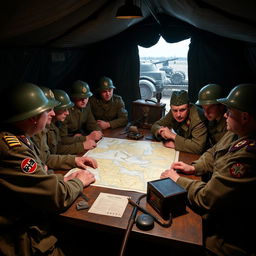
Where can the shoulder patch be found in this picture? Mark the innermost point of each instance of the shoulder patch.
(238, 145)
(237, 170)
(251, 147)
(11, 141)
(28, 165)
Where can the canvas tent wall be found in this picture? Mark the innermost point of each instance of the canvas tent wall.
(53, 43)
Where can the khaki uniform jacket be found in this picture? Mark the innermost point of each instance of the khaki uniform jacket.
(191, 134)
(112, 111)
(226, 201)
(78, 121)
(53, 161)
(29, 197)
(216, 130)
(55, 144)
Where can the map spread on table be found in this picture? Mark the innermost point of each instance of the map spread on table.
(129, 164)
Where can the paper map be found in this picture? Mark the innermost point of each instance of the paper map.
(129, 164)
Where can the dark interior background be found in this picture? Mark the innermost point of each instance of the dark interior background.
(54, 43)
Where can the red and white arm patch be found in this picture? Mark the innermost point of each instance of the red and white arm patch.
(28, 165)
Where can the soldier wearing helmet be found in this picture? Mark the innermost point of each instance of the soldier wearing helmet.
(49, 139)
(108, 108)
(54, 141)
(31, 196)
(80, 122)
(225, 200)
(187, 121)
(213, 111)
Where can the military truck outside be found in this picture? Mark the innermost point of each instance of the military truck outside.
(151, 81)
(154, 79)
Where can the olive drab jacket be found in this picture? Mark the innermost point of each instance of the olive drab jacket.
(53, 161)
(55, 144)
(191, 134)
(216, 130)
(226, 200)
(112, 111)
(29, 198)
(78, 121)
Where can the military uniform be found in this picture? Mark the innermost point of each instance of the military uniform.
(112, 111)
(78, 121)
(53, 161)
(208, 95)
(191, 134)
(225, 201)
(216, 130)
(28, 198)
(55, 144)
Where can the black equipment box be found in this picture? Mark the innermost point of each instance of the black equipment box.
(146, 112)
(166, 196)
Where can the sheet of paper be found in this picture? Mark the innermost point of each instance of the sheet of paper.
(109, 204)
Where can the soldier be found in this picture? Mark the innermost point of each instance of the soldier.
(29, 196)
(213, 111)
(108, 108)
(80, 122)
(47, 154)
(54, 142)
(187, 120)
(225, 200)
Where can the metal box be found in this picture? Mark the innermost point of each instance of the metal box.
(146, 113)
(166, 196)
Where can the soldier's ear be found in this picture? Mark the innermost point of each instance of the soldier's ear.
(245, 116)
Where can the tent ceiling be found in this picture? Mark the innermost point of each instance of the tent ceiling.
(76, 23)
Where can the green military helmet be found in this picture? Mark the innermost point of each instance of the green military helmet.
(24, 101)
(209, 94)
(241, 97)
(105, 83)
(80, 90)
(63, 98)
(49, 94)
(179, 98)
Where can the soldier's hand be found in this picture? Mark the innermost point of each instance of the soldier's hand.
(84, 175)
(182, 167)
(169, 144)
(103, 125)
(89, 144)
(83, 162)
(171, 173)
(78, 134)
(166, 133)
(95, 135)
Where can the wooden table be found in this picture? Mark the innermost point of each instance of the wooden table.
(185, 233)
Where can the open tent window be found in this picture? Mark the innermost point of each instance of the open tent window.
(163, 68)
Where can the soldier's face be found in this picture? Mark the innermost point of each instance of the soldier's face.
(51, 114)
(41, 122)
(180, 113)
(107, 94)
(234, 120)
(61, 115)
(81, 103)
(213, 111)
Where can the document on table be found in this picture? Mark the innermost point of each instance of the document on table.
(110, 205)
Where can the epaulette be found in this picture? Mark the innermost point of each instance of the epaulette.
(25, 140)
(240, 144)
(11, 141)
(251, 146)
